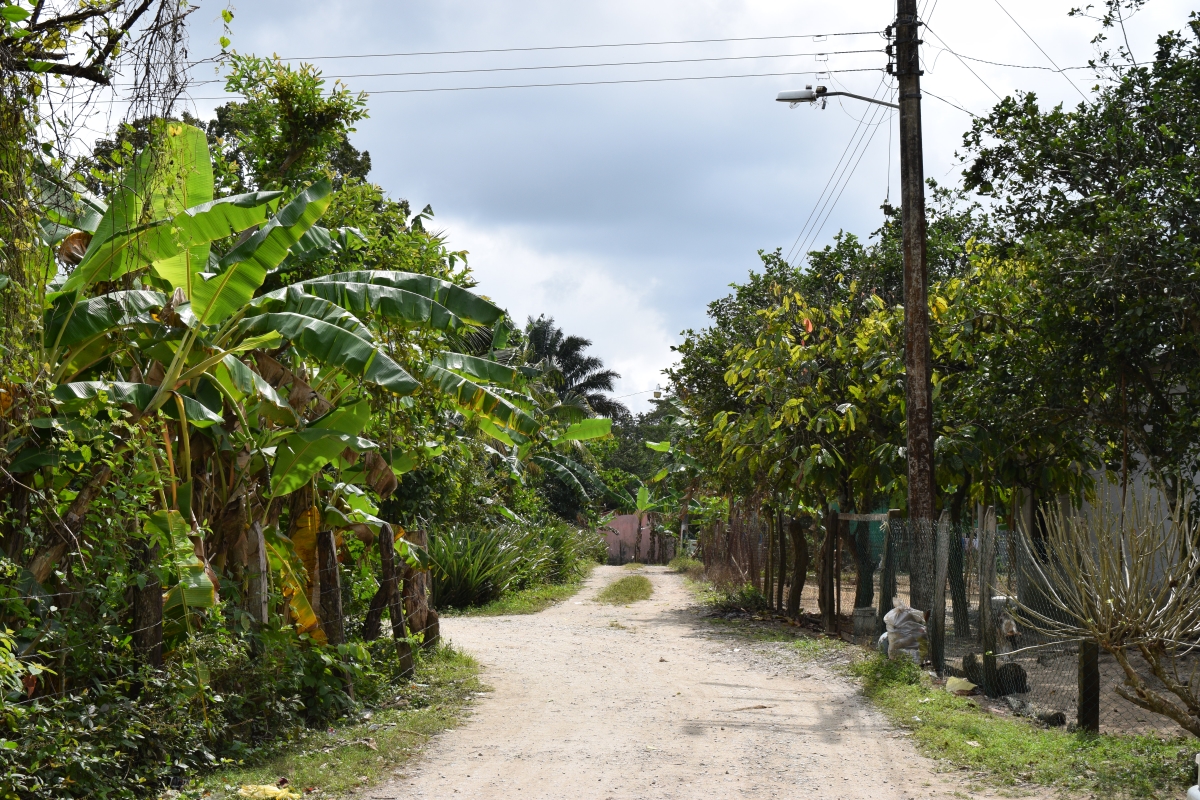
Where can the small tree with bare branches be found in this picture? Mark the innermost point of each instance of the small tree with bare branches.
(1128, 580)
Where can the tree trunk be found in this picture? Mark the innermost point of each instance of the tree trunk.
(258, 594)
(825, 594)
(783, 561)
(769, 571)
(864, 595)
(387, 556)
(65, 527)
(148, 611)
(796, 529)
(332, 621)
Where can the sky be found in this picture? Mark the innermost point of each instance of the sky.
(623, 209)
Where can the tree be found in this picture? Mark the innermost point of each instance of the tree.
(1099, 200)
(581, 376)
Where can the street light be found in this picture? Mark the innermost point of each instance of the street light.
(917, 357)
(810, 95)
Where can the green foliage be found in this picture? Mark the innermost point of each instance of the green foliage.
(475, 566)
(691, 567)
(745, 597)
(630, 589)
(878, 672)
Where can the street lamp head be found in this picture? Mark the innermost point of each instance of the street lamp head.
(806, 95)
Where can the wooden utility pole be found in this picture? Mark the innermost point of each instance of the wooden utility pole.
(918, 390)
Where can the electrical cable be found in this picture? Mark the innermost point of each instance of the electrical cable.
(1039, 47)
(964, 63)
(848, 175)
(813, 36)
(589, 83)
(947, 102)
(597, 65)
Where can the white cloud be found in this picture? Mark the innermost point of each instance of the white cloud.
(581, 292)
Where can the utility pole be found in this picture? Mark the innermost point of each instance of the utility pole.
(918, 390)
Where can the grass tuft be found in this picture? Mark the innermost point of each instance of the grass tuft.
(691, 567)
(1015, 751)
(336, 760)
(633, 566)
(629, 589)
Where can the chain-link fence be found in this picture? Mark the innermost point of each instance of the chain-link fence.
(989, 584)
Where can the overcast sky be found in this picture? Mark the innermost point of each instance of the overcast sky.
(622, 210)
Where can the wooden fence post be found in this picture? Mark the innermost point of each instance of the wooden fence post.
(258, 594)
(887, 575)
(387, 556)
(937, 639)
(1088, 711)
(332, 621)
(987, 580)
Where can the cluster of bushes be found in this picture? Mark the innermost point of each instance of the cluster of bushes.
(472, 566)
(130, 730)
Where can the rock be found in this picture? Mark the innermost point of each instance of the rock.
(1013, 679)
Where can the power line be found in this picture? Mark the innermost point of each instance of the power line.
(1039, 47)
(864, 142)
(594, 83)
(964, 63)
(924, 90)
(597, 65)
(814, 36)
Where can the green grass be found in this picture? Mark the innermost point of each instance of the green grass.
(1011, 751)
(336, 761)
(525, 601)
(629, 589)
(691, 567)
(634, 566)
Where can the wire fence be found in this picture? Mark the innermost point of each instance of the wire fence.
(985, 636)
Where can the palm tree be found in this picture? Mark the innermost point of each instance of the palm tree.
(582, 376)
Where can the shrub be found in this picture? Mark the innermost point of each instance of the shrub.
(691, 567)
(880, 672)
(472, 567)
(736, 598)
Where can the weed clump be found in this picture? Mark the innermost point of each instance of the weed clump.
(691, 567)
(735, 598)
(880, 672)
(629, 589)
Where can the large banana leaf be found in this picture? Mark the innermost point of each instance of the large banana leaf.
(462, 302)
(73, 396)
(69, 321)
(195, 227)
(243, 269)
(301, 455)
(293, 583)
(336, 347)
(473, 397)
(480, 368)
(595, 428)
(193, 588)
(294, 300)
(561, 472)
(172, 175)
(388, 302)
(67, 205)
(242, 382)
(350, 418)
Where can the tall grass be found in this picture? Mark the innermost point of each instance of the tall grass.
(474, 566)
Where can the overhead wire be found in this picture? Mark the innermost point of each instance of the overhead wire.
(1039, 47)
(950, 50)
(594, 83)
(578, 46)
(848, 173)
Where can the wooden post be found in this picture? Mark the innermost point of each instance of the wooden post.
(769, 572)
(782, 568)
(937, 639)
(987, 625)
(797, 530)
(1088, 711)
(332, 621)
(258, 594)
(958, 586)
(837, 576)
(387, 556)
(887, 575)
(825, 598)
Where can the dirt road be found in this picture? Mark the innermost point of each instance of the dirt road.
(648, 701)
